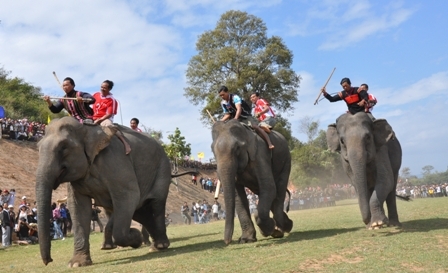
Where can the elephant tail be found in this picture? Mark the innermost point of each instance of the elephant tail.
(289, 200)
(180, 174)
(404, 198)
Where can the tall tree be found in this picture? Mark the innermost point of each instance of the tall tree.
(238, 54)
(178, 148)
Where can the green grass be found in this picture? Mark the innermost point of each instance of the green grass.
(323, 240)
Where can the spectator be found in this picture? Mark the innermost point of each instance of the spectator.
(194, 212)
(4, 198)
(12, 197)
(185, 211)
(215, 210)
(57, 222)
(5, 227)
(64, 218)
(12, 217)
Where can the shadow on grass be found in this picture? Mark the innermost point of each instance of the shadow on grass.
(425, 225)
(219, 244)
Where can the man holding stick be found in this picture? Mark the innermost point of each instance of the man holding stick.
(355, 97)
(75, 102)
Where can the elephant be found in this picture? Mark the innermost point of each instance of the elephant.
(92, 159)
(244, 160)
(371, 157)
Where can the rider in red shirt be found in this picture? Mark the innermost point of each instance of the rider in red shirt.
(105, 108)
(263, 112)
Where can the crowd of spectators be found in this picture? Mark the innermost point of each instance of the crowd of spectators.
(423, 191)
(21, 129)
(194, 164)
(202, 212)
(20, 225)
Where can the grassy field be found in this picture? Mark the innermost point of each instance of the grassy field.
(323, 240)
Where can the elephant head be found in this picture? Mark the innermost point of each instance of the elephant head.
(358, 139)
(65, 154)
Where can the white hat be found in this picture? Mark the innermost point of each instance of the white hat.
(10, 206)
(24, 197)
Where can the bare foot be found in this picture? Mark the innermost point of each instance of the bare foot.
(271, 147)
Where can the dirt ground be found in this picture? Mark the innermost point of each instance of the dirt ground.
(18, 163)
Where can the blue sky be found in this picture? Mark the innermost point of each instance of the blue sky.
(400, 48)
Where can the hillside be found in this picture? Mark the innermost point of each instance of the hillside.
(18, 163)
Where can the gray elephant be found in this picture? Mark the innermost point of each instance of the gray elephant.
(244, 160)
(371, 157)
(92, 159)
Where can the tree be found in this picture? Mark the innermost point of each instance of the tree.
(178, 147)
(283, 126)
(309, 127)
(157, 135)
(20, 99)
(238, 54)
(427, 170)
(405, 172)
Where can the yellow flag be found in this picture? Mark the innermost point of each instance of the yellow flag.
(48, 120)
(201, 155)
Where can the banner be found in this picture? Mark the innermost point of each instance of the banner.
(201, 155)
(48, 119)
(2, 112)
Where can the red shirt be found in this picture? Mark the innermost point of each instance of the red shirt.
(259, 105)
(104, 105)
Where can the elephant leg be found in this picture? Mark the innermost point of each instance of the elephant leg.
(265, 200)
(108, 241)
(377, 210)
(391, 202)
(145, 235)
(152, 217)
(124, 208)
(242, 207)
(284, 224)
(81, 228)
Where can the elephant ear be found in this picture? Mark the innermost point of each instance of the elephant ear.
(96, 139)
(333, 138)
(382, 132)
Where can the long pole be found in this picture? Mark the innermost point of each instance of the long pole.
(218, 185)
(320, 93)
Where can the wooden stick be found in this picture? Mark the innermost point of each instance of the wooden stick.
(56, 77)
(64, 98)
(324, 86)
(211, 117)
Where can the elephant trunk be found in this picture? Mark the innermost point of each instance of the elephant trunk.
(227, 173)
(357, 161)
(44, 214)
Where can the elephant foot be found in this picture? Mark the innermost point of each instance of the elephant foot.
(80, 260)
(266, 228)
(108, 246)
(288, 223)
(394, 223)
(277, 233)
(244, 240)
(160, 245)
(377, 224)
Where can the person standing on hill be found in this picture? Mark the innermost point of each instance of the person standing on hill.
(185, 211)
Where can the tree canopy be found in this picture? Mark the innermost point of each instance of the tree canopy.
(238, 54)
(20, 99)
(178, 148)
